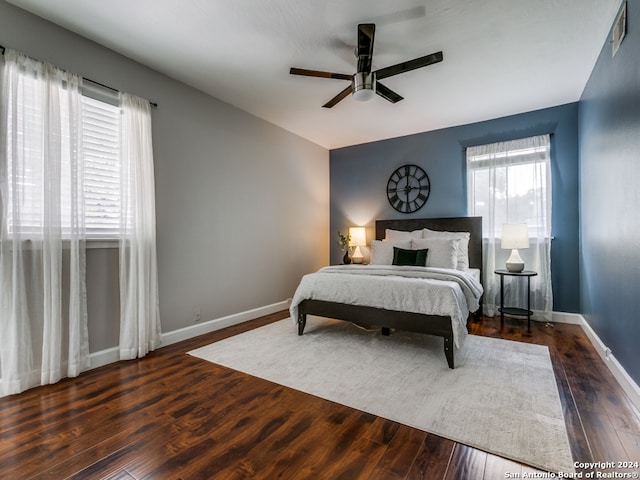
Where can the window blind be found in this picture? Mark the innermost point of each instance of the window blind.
(101, 146)
(508, 157)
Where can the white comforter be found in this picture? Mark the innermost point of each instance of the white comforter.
(426, 290)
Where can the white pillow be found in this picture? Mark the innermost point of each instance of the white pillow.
(443, 252)
(463, 245)
(401, 235)
(382, 251)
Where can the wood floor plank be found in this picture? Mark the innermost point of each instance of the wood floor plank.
(383, 430)
(309, 451)
(466, 462)
(498, 467)
(260, 457)
(213, 443)
(123, 443)
(380, 474)
(345, 460)
(432, 461)
(402, 451)
(579, 444)
(171, 415)
(121, 475)
(631, 444)
(590, 386)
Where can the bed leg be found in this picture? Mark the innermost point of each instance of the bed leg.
(448, 350)
(302, 322)
(386, 331)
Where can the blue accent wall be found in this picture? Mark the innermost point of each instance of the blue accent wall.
(609, 133)
(359, 174)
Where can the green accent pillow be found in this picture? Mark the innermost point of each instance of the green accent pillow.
(415, 258)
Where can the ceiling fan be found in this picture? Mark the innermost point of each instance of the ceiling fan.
(364, 83)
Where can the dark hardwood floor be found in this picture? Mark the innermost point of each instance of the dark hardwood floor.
(172, 416)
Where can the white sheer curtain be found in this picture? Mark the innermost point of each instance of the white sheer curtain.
(510, 182)
(139, 311)
(43, 315)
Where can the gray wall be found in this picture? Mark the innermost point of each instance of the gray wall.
(242, 205)
(359, 177)
(610, 199)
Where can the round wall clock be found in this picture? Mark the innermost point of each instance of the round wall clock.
(408, 188)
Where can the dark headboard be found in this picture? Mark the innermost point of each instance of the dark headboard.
(473, 225)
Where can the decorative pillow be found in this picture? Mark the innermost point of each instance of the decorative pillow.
(401, 235)
(382, 251)
(463, 245)
(415, 258)
(443, 252)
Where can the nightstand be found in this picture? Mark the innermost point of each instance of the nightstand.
(515, 310)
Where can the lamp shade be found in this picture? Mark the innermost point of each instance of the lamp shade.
(358, 237)
(514, 236)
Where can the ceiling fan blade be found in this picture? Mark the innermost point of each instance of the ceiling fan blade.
(366, 34)
(409, 65)
(318, 73)
(387, 93)
(341, 96)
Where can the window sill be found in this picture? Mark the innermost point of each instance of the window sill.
(91, 244)
(101, 244)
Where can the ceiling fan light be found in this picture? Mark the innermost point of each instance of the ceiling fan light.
(364, 94)
(363, 86)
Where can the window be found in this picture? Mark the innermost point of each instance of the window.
(99, 142)
(509, 182)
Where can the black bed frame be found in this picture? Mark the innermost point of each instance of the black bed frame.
(408, 321)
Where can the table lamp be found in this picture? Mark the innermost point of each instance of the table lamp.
(515, 236)
(358, 239)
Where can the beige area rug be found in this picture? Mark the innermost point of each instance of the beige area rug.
(501, 397)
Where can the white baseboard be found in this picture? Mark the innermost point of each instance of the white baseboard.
(626, 382)
(104, 357)
(564, 317)
(110, 355)
(220, 323)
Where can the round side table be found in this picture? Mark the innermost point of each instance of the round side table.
(516, 310)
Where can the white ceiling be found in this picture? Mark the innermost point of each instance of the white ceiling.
(501, 57)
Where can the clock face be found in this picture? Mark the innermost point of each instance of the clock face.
(408, 188)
